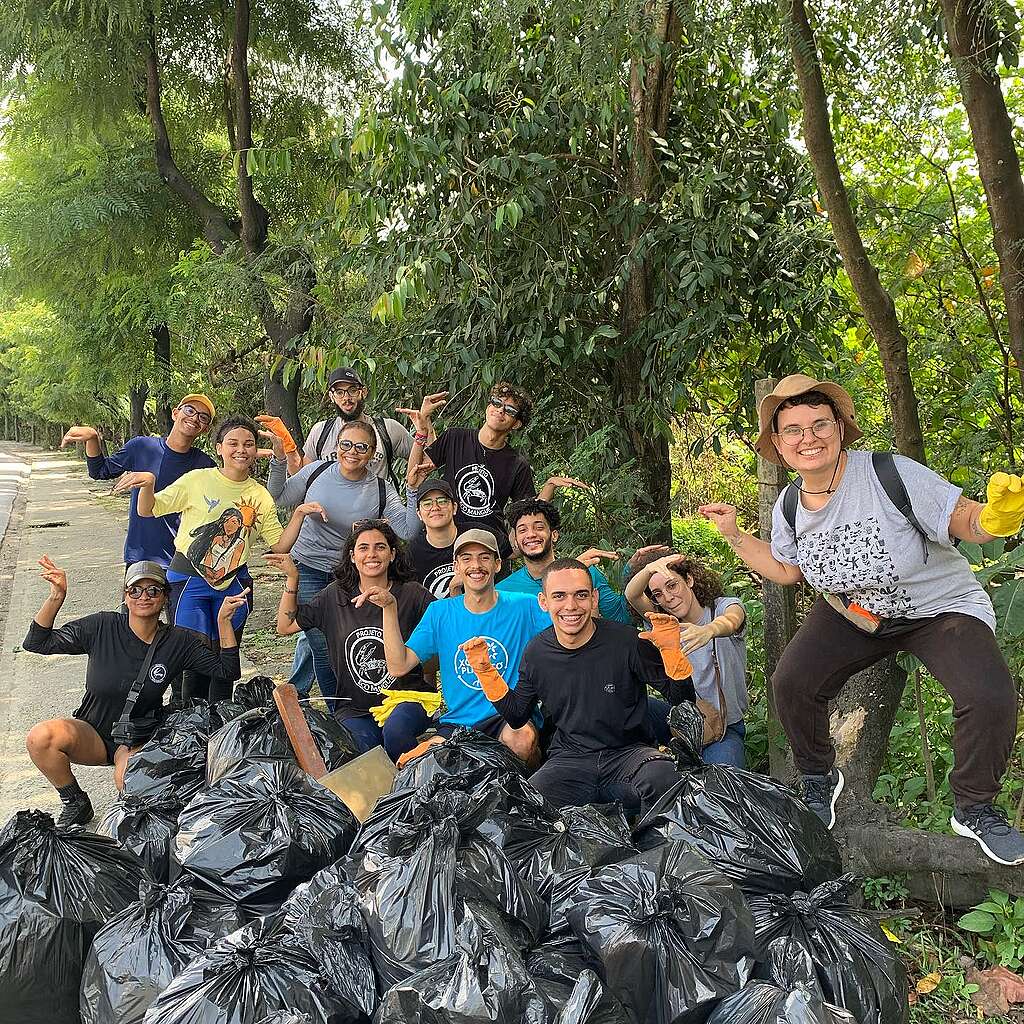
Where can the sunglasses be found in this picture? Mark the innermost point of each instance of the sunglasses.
(343, 392)
(361, 447)
(508, 410)
(193, 412)
(153, 591)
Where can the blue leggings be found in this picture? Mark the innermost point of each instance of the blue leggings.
(728, 750)
(194, 604)
(400, 733)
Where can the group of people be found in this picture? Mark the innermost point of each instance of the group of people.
(414, 621)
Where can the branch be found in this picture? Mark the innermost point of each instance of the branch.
(216, 229)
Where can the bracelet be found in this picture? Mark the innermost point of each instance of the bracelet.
(287, 591)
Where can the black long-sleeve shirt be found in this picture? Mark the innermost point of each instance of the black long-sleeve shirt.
(115, 657)
(596, 694)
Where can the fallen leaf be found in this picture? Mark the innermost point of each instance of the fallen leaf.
(891, 936)
(1012, 985)
(994, 988)
(912, 998)
(929, 983)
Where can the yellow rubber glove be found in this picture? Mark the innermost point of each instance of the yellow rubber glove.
(1004, 512)
(392, 698)
(276, 426)
(664, 634)
(491, 683)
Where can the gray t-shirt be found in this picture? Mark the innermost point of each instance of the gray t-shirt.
(732, 663)
(861, 546)
(319, 544)
(401, 443)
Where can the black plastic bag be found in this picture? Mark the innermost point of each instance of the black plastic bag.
(415, 894)
(557, 966)
(673, 934)
(755, 830)
(323, 915)
(144, 826)
(57, 888)
(792, 996)
(469, 755)
(259, 735)
(250, 975)
(172, 762)
(482, 981)
(857, 967)
(257, 692)
(259, 832)
(136, 955)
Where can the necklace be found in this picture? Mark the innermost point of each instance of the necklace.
(830, 489)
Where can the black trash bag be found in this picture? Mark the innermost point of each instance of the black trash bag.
(792, 996)
(57, 888)
(857, 967)
(287, 1017)
(257, 692)
(172, 762)
(259, 832)
(467, 754)
(144, 826)
(482, 981)
(323, 915)
(673, 934)
(557, 966)
(259, 735)
(755, 830)
(134, 957)
(414, 895)
(249, 975)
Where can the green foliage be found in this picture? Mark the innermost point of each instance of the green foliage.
(1000, 920)
(884, 891)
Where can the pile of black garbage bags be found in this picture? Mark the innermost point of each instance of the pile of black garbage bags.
(227, 887)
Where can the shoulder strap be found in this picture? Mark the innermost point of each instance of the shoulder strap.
(382, 496)
(790, 497)
(321, 441)
(892, 483)
(312, 476)
(140, 680)
(381, 426)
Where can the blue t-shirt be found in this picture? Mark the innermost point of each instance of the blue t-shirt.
(610, 604)
(149, 537)
(508, 627)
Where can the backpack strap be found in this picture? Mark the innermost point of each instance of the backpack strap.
(323, 467)
(892, 483)
(381, 426)
(382, 496)
(790, 498)
(321, 442)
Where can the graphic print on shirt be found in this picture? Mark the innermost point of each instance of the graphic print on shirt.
(499, 659)
(364, 656)
(217, 549)
(852, 560)
(158, 672)
(474, 487)
(438, 580)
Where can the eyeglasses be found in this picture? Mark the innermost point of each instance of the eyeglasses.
(343, 392)
(194, 413)
(821, 429)
(435, 502)
(508, 410)
(361, 447)
(153, 591)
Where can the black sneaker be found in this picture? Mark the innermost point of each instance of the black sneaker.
(821, 793)
(988, 827)
(76, 812)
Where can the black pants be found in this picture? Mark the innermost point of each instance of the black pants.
(635, 776)
(959, 651)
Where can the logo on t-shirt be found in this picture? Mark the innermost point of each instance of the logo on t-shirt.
(438, 580)
(475, 489)
(158, 673)
(499, 659)
(364, 657)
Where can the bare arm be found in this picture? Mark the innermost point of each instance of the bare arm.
(290, 533)
(964, 522)
(145, 484)
(288, 605)
(225, 630)
(58, 580)
(754, 552)
(400, 660)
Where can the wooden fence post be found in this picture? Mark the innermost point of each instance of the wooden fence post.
(779, 602)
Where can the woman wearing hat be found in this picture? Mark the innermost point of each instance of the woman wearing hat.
(874, 534)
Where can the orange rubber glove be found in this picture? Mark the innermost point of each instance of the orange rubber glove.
(276, 426)
(664, 634)
(420, 748)
(491, 683)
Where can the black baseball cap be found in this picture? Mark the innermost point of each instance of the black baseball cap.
(344, 374)
(434, 484)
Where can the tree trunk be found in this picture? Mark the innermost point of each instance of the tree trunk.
(137, 397)
(876, 303)
(162, 377)
(974, 47)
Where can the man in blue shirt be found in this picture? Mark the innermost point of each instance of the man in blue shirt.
(506, 622)
(151, 539)
(533, 526)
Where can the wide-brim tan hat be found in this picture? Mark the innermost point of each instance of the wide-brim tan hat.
(790, 387)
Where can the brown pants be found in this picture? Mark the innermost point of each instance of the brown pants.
(959, 651)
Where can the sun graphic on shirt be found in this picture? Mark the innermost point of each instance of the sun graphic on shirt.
(251, 516)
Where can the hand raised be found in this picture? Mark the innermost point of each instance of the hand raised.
(594, 555)
(477, 654)
(132, 482)
(283, 563)
(416, 475)
(380, 596)
(231, 604)
(56, 577)
(649, 549)
(79, 434)
(312, 508)
(722, 516)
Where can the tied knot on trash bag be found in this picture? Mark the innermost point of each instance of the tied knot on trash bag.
(146, 826)
(467, 754)
(687, 726)
(257, 692)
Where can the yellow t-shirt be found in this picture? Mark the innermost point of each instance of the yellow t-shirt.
(218, 518)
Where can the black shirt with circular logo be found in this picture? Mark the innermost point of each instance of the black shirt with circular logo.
(355, 642)
(434, 566)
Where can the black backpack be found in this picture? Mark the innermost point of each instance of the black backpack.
(382, 432)
(892, 483)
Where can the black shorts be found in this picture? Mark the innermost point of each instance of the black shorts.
(109, 745)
